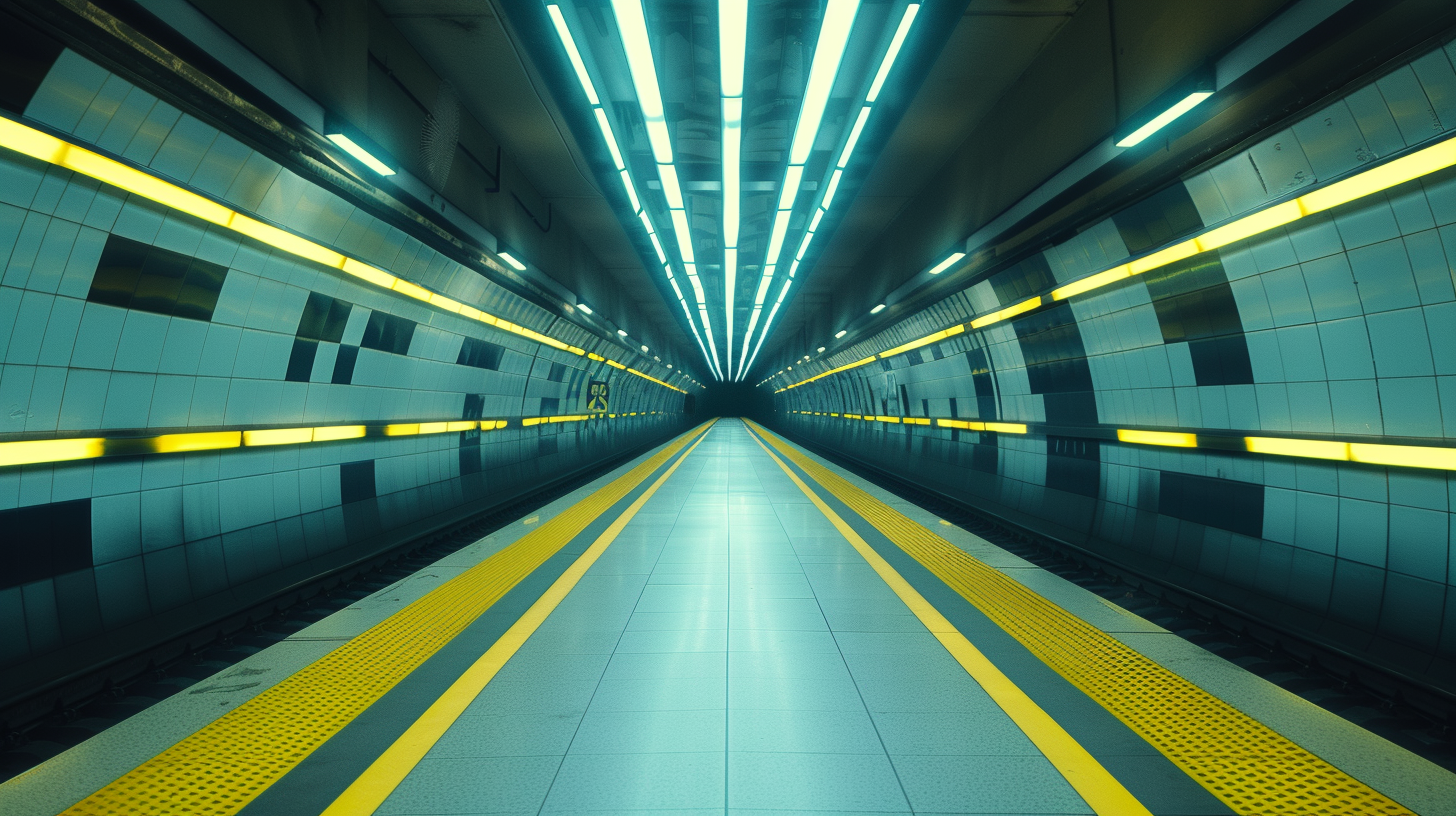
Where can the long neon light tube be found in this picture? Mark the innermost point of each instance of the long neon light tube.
(732, 55)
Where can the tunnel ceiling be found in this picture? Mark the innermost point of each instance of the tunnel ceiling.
(980, 102)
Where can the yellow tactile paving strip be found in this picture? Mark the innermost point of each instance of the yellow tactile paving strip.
(1247, 765)
(228, 763)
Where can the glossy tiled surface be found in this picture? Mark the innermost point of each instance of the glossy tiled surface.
(730, 650)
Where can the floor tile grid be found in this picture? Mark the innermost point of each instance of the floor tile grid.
(443, 782)
(987, 765)
(675, 498)
(575, 775)
(761, 466)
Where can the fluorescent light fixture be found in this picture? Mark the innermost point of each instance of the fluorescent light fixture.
(793, 177)
(945, 264)
(732, 44)
(573, 54)
(840, 333)
(657, 245)
(878, 309)
(821, 350)
(697, 283)
(828, 51)
(782, 294)
(510, 259)
(776, 239)
(670, 187)
(644, 349)
(793, 267)
(818, 216)
(610, 139)
(684, 239)
(1165, 118)
(730, 286)
(732, 154)
(364, 156)
(832, 187)
(864, 114)
(585, 309)
(803, 247)
(632, 25)
(763, 284)
(894, 51)
(631, 192)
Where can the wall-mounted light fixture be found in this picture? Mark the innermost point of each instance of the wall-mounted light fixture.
(351, 141)
(1161, 112)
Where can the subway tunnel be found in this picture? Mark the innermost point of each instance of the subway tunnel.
(727, 406)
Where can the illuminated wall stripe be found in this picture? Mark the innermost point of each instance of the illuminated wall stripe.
(47, 451)
(52, 150)
(1377, 179)
(1429, 457)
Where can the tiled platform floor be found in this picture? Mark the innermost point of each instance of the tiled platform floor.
(732, 649)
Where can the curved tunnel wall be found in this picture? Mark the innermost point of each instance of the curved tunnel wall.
(120, 318)
(1341, 325)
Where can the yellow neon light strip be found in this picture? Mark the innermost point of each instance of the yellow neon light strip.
(1416, 456)
(1175, 440)
(49, 450)
(1006, 313)
(44, 451)
(367, 793)
(1407, 168)
(1097, 787)
(52, 150)
(924, 341)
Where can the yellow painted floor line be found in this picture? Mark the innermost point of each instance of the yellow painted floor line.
(1247, 765)
(1102, 792)
(369, 791)
(229, 762)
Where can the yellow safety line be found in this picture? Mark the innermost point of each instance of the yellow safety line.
(1247, 765)
(1102, 792)
(229, 762)
(369, 791)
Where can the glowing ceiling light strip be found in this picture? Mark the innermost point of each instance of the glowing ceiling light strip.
(828, 52)
(732, 55)
(730, 283)
(353, 149)
(886, 63)
(633, 27)
(609, 138)
(859, 123)
(573, 54)
(892, 52)
(1165, 118)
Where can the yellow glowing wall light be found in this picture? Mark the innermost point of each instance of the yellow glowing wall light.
(972, 425)
(1418, 456)
(1399, 171)
(43, 451)
(52, 150)
(1173, 440)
